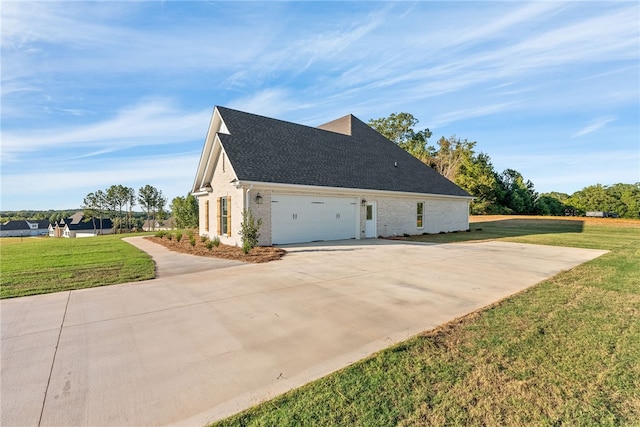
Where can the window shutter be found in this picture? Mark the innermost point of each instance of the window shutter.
(219, 211)
(229, 216)
(206, 215)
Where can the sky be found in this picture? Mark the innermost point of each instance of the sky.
(100, 93)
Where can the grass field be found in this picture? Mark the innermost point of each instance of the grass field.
(564, 352)
(31, 266)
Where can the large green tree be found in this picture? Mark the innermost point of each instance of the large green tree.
(153, 202)
(95, 204)
(399, 128)
(629, 198)
(130, 201)
(185, 211)
(117, 197)
(478, 177)
(518, 195)
(622, 199)
(550, 204)
(450, 155)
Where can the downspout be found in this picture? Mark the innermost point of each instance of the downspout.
(247, 202)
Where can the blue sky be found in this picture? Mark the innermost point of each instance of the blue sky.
(101, 93)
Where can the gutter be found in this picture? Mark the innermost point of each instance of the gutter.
(354, 192)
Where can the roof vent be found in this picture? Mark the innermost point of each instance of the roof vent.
(395, 164)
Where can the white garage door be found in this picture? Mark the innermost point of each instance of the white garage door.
(297, 219)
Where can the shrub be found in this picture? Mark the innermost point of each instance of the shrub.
(161, 234)
(190, 234)
(216, 241)
(170, 236)
(249, 231)
(209, 244)
(203, 238)
(178, 236)
(192, 240)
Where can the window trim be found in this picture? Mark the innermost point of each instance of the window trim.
(224, 216)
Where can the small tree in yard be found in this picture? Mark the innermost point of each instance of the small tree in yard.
(249, 231)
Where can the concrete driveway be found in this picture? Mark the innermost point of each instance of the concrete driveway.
(187, 349)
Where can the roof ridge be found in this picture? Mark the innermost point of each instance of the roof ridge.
(259, 116)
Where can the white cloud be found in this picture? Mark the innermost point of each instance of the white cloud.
(444, 119)
(595, 125)
(101, 174)
(63, 189)
(435, 64)
(151, 122)
(273, 102)
(299, 53)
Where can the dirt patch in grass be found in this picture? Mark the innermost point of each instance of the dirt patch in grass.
(256, 255)
(614, 222)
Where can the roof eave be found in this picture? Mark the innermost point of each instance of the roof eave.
(344, 190)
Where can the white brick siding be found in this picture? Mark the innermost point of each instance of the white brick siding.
(222, 187)
(398, 215)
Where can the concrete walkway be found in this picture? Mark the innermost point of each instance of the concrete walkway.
(191, 348)
(170, 263)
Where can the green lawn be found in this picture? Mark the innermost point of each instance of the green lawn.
(41, 265)
(564, 352)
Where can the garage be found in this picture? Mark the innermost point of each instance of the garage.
(296, 218)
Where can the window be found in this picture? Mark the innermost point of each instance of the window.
(369, 212)
(420, 215)
(224, 216)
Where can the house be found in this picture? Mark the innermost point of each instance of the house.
(341, 180)
(23, 228)
(601, 214)
(75, 226)
(165, 224)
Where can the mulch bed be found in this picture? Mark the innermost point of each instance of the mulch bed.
(256, 255)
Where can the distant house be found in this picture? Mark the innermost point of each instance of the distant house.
(24, 228)
(75, 226)
(166, 224)
(600, 214)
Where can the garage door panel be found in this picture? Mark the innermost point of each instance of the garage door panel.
(310, 218)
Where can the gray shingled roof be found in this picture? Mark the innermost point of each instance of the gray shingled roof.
(262, 149)
(23, 225)
(88, 225)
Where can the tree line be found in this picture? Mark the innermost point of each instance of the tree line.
(117, 199)
(112, 202)
(116, 203)
(507, 192)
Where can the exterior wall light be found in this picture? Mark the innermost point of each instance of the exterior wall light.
(258, 199)
(364, 203)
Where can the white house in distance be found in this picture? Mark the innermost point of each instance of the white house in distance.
(75, 226)
(341, 180)
(22, 228)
